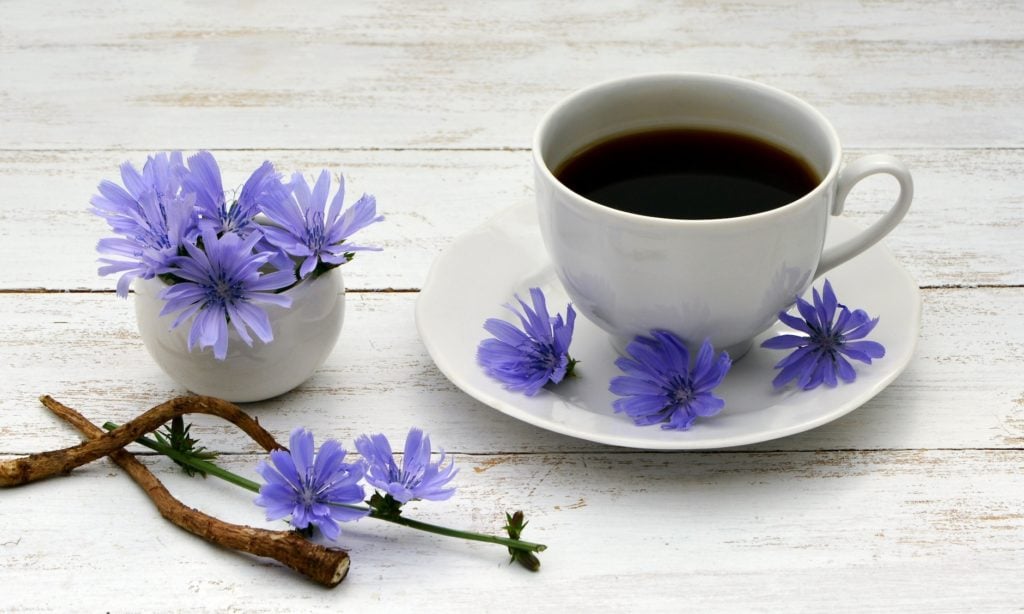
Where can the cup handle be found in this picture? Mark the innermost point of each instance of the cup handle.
(849, 177)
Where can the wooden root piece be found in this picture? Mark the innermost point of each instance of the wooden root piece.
(327, 566)
(34, 467)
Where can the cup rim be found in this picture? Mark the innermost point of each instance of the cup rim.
(823, 123)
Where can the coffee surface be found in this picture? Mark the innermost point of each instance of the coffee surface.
(692, 174)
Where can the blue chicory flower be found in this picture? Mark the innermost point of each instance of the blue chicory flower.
(832, 333)
(525, 360)
(309, 230)
(204, 180)
(174, 220)
(661, 386)
(152, 215)
(222, 283)
(312, 489)
(418, 478)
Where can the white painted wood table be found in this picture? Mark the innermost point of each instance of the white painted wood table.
(913, 502)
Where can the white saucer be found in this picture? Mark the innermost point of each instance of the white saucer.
(483, 269)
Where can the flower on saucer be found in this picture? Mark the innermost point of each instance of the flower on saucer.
(313, 232)
(222, 283)
(314, 489)
(832, 333)
(417, 478)
(661, 386)
(525, 360)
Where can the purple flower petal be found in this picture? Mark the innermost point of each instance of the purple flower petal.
(828, 373)
(784, 342)
(308, 229)
(418, 478)
(536, 321)
(679, 420)
(833, 333)
(845, 370)
(661, 386)
(808, 313)
(793, 370)
(644, 409)
(676, 357)
(798, 355)
(829, 303)
(204, 181)
(863, 351)
(715, 373)
(860, 327)
(301, 445)
(151, 214)
(813, 376)
(562, 333)
(525, 360)
(360, 215)
(650, 356)
(795, 323)
(505, 332)
(224, 281)
(706, 406)
(285, 465)
(248, 315)
(311, 486)
(631, 386)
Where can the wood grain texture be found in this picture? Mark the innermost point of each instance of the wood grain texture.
(912, 503)
(48, 236)
(963, 389)
(396, 74)
(938, 531)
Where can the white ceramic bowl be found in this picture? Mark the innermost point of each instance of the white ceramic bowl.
(304, 336)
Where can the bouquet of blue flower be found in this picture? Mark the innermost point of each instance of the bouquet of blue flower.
(224, 257)
(314, 490)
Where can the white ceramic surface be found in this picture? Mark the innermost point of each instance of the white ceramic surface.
(304, 335)
(483, 269)
(721, 279)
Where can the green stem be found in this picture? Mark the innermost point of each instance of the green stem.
(517, 544)
(196, 463)
(228, 476)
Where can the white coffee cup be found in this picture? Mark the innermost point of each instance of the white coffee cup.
(721, 279)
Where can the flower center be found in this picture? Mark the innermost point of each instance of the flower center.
(829, 341)
(542, 355)
(315, 232)
(310, 493)
(399, 475)
(229, 217)
(224, 291)
(681, 391)
(161, 236)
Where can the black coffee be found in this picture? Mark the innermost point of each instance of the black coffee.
(690, 174)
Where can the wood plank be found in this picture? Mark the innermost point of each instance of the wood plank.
(48, 237)
(910, 503)
(963, 389)
(151, 75)
(938, 531)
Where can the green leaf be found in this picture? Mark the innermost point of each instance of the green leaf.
(515, 523)
(385, 505)
(178, 438)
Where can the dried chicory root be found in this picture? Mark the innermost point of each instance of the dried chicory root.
(346, 496)
(327, 566)
(34, 467)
